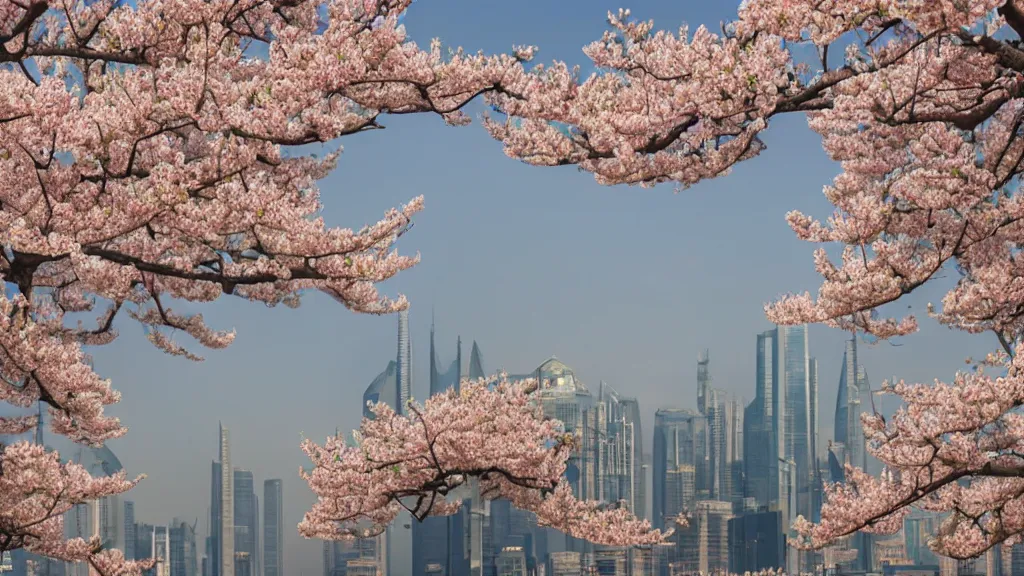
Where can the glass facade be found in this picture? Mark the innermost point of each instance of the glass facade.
(273, 528)
(756, 542)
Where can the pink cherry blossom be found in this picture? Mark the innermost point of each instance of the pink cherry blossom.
(492, 430)
(36, 489)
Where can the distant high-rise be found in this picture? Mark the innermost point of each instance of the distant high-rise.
(677, 439)
(716, 423)
(707, 405)
(161, 551)
(795, 372)
(703, 383)
(273, 528)
(214, 538)
(757, 542)
(703, 546)
(849, 447)
(246, 520)
(182, 552)
(848, 430)
(144, 542)
(564, 397)
(812, 379)
(732, 480)
(764, 425)
(129, 530)
(404, 363)
(817, 479)
(226, 553)
(630, 462)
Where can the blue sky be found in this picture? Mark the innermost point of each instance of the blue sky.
(623, 284)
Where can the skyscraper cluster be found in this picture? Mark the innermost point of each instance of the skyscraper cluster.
(738, 472)
(234, 546)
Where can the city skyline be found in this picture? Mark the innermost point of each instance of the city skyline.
(720, 446)
(642, 408)
(694, 273)
(201, 215)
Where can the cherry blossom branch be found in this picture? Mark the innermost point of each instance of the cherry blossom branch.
(492, 431)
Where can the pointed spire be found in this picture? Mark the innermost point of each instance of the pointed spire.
(434, 376)
(476, 363)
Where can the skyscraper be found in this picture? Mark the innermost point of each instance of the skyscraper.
(757, 542)
(724, 436)
(161, 550)
(676, 449)
(273, 528)
(715, 458)
(246, 515)
(404, 363)
(706, 405)
(565, 398)
(129, 530)
(794, 353)
(849, 434)
(812, 379)
(630, 468)
(226, 509)
(182, 552)
(732, 481)
(213, 540)
(764, 425)
(817, 480)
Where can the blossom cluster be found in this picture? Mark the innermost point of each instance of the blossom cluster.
(36, 489)
(492, 432)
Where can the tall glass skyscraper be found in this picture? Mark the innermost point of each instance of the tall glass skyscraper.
(630, 467)
(182, 554)
(404, 363)
(273, 528)
(221, 553)
(849, 435)
(707, 405)
(246, 520)
(676, 450)
(764, 425)
(817, 480)
(794, 353)
(129, 530)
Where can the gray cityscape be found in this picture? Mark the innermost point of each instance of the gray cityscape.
(740, 473)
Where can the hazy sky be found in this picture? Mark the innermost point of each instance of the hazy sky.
(623, 284)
